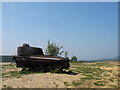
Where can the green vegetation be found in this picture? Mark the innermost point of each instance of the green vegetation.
(74, 58)
(53, 49)
(11, 74)
(100, 83)
(118, 74)
(76, 83)
(66, 54)
(91, 74)
(111, 79)
(115, 86)
(95, 71)
(16, 74)
(87, 78)
(66, 83)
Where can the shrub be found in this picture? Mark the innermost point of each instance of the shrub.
(53, 49)
(74, 58)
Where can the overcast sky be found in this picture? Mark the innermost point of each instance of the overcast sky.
(87, 30)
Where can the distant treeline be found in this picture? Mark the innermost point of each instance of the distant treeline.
(104, 59)
(6, 59)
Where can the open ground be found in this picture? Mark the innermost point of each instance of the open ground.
(79, 75)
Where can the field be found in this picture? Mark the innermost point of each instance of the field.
(79, 75)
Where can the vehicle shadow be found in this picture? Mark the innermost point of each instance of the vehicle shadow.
(70, 73)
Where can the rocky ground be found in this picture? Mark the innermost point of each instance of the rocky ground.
(81, 75)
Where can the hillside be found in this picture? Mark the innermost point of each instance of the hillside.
(79, 75)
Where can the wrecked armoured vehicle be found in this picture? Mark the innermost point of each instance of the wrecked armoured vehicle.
(34, 59)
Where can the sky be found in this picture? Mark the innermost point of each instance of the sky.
(88, 30)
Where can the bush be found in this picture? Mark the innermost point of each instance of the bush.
(74, 58)
(53, 49)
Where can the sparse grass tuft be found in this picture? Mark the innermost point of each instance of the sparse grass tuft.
(76, 83)
(91, 74)
(66, 84)
(5, 86)
(115, 86)
(17, 74)
(87, 78)
(11, 74)
(100, 83)
(89, 70)
(111, 79)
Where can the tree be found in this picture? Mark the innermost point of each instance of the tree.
(66, 54)
(74, 58)
(53, 49)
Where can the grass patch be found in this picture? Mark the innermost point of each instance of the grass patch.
(16, 74)
(8, 66)
(115, 86)
(98, 64)
(100, 83)
(75, 83)
(92, 72)
(88, 75)
(11, 74)
(25, 72)
(111, 79)
(118, 74)
(66, 84)
(87, 78)
(106, 75)
(88, 70)
(110, 71)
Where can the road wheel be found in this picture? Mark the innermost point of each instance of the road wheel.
(49, 69)
(58, 68)
(24, 69)
(30, 70)
(41, 69)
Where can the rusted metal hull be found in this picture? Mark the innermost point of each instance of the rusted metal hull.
(33, 58)
(36, 63)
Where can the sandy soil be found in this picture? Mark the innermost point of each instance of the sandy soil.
(50, 80)
(44, 80)
(40, 80)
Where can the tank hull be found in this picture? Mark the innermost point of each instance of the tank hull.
(36, 63)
